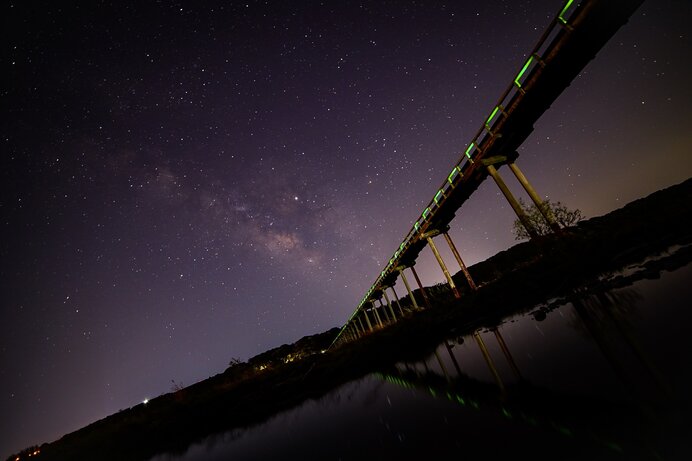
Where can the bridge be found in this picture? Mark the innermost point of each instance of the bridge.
(575, 35)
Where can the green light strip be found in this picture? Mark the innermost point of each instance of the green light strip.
(436, 199)
(561, 16)
(468, 150)
(492, 115)
(450, 178)
(521, 73)
(425, 213)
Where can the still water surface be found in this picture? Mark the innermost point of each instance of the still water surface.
(602, 374)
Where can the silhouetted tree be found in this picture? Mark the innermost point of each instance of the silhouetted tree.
(563, 215)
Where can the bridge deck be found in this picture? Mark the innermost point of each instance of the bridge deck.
(578, 32)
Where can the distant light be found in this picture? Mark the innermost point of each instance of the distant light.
(145, 401)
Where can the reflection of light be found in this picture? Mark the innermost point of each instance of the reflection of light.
(145, 401)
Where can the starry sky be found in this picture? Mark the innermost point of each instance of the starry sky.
(187, 182)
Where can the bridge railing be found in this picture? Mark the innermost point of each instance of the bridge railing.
(480, 143)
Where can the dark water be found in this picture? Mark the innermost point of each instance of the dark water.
(602, 374)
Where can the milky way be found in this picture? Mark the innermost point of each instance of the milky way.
(185, 183)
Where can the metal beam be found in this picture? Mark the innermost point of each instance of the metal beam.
(545, 211)
(512, 201)
(377, 315)
(396, 299)
(408, 288)
(426, 300)
(367, 319)
(453, 247)
(443, 266)
(389, 304)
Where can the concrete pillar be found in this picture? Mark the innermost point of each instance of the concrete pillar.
(377, 315)
(396, 300)
(457, 256)
(360, 321)
(426, 300)
(443, 266)
(367, 319)
(512, 201)
(545, 211)
(488, 360)
(391, 310)
(408, 288)
(384, 311)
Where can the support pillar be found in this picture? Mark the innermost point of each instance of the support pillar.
(396, 300)
(408, 288)
(389, 304)
(443, 266)
(362, 328)
(367, 319)
(426, 300)
(512, 201)
(489, 360)
(384, 311)
(457, 256)
(545, 211)
(377, 315)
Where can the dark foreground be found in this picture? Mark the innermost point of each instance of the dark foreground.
(557, 268)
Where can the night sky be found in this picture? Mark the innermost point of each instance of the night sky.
(184, 183)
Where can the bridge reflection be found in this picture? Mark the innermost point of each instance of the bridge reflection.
(611, 425)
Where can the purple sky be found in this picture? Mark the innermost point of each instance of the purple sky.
(183, 183)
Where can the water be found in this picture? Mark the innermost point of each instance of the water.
(600, 374)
